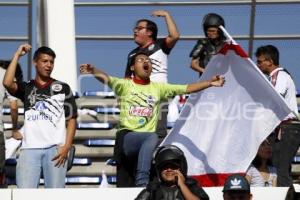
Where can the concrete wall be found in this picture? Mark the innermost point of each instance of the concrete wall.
(215, 193)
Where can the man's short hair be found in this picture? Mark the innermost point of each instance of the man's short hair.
(43, 50)
(151, 26)
(270, 52)
(235, 183)
(141, 52)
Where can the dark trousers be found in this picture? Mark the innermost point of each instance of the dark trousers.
(284, 151)
(161, 128)
(2, 152)
(2, 160)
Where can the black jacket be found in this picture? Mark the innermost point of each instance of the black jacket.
(157, 191)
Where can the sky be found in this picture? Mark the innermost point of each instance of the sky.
(111, 55)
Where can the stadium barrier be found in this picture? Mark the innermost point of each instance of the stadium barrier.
(215, 193)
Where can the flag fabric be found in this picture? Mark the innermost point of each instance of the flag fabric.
(221, 128)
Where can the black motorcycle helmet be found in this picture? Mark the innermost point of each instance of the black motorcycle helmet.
(212, 20)
(169, 154)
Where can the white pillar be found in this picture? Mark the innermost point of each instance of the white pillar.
(56, 29)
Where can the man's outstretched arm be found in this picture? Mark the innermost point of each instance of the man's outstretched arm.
(99, 74)
(215, 81)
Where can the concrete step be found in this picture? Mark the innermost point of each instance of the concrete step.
(93, 152)
(92, 102)
(95, 134)
(296, 169)
(7, 119)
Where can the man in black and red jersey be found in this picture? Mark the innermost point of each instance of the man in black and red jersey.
(49, 121)
(145, 36)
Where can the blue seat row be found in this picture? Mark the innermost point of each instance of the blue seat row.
(99, 142)
(94, 125)
(90, 180)
(107, 94)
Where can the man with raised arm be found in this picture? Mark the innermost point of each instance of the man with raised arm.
(158, 50)
(49, 121)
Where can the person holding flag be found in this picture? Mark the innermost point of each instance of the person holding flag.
(222, 130)
(209, 46)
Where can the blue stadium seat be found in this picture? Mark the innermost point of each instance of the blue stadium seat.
(6, 111)
(94, 126)
(103, 94)
(296, 160)
(111, 162)
(99, 142)
(89, 180)
(111, 110)
(82, 161)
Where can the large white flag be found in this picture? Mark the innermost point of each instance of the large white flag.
(220, 129)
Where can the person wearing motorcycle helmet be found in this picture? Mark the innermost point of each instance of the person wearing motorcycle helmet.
(210, 45)
(171, 181)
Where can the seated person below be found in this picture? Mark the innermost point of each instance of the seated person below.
(171, 180)
(261, 172)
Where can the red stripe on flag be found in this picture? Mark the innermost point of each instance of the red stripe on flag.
(236, 48)
(213, 180)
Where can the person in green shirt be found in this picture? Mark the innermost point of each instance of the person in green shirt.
(139, 107)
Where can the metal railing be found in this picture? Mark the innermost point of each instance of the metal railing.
(250, 37)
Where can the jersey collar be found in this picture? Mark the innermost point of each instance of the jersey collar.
(275, 70)
(141, 82)
(147, 45)
(38, 85)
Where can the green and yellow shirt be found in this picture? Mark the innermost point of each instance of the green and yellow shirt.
(139, 104)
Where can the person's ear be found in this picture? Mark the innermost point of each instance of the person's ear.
(149, 33)
(34, 61)
(132, 68)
